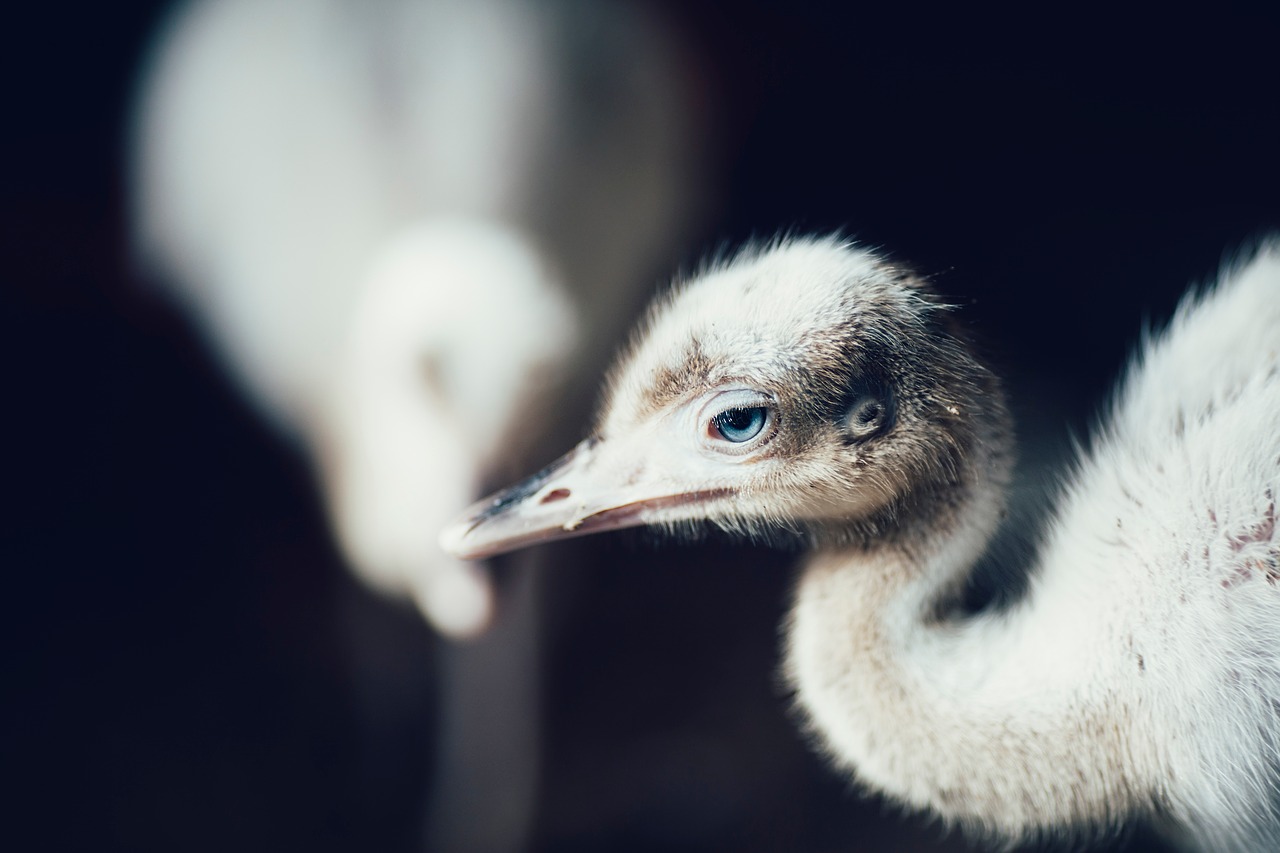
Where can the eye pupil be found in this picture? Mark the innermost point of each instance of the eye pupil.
(739, 425)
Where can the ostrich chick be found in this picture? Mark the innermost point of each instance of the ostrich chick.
(815, 387)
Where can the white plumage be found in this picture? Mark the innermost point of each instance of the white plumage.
(397, 220)
(815, 387)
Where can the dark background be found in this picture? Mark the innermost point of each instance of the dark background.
(183, 645)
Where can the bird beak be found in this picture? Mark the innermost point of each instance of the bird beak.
(592, 488)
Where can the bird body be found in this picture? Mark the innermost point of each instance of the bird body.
(815, 387)
(1143, 661)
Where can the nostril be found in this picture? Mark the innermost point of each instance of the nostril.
(554, 495)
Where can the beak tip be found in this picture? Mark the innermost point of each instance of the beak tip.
(453, 540)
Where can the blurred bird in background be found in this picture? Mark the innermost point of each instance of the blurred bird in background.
(398, 221)
(398, 224)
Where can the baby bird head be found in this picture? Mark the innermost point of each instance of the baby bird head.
(810, 386)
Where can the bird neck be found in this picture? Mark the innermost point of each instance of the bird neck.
(987, 718)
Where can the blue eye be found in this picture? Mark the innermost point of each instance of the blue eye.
(739, 425)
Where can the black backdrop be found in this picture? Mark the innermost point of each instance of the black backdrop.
(178, 629)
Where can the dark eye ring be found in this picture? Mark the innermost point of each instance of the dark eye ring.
(740, 425)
